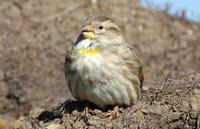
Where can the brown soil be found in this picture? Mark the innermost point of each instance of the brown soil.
(36, 34)
(175, 105)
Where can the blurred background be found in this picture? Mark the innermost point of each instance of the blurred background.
(181, 8)
(34, 36)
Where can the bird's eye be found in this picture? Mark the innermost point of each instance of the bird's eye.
(100, 27)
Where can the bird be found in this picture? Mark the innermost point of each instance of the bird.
(101, 68)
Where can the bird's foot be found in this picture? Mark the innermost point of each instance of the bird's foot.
(89, 111)
(114, 113)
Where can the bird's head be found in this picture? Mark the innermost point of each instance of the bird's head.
(97, 34)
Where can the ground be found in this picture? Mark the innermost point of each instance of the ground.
(36, 34)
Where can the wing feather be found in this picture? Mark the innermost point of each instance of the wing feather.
(139, 64)
(68, 61)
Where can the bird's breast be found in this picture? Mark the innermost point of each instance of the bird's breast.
(90, 67)
(102, 80)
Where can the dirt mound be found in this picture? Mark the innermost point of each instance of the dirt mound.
(36, 34)
(175, 104)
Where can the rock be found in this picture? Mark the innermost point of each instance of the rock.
(4, 125)
(36, 112)
(23, 123)
(195, 100)
(54, 126)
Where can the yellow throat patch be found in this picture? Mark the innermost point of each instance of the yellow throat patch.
(89, 52)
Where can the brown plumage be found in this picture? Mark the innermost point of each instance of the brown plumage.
(101, 67)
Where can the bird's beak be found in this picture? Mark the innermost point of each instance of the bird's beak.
(88, 32)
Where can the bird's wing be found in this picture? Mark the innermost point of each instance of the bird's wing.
(141, 76)
(68, 61)
(138, 61)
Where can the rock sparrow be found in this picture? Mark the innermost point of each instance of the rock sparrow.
(101, 67)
